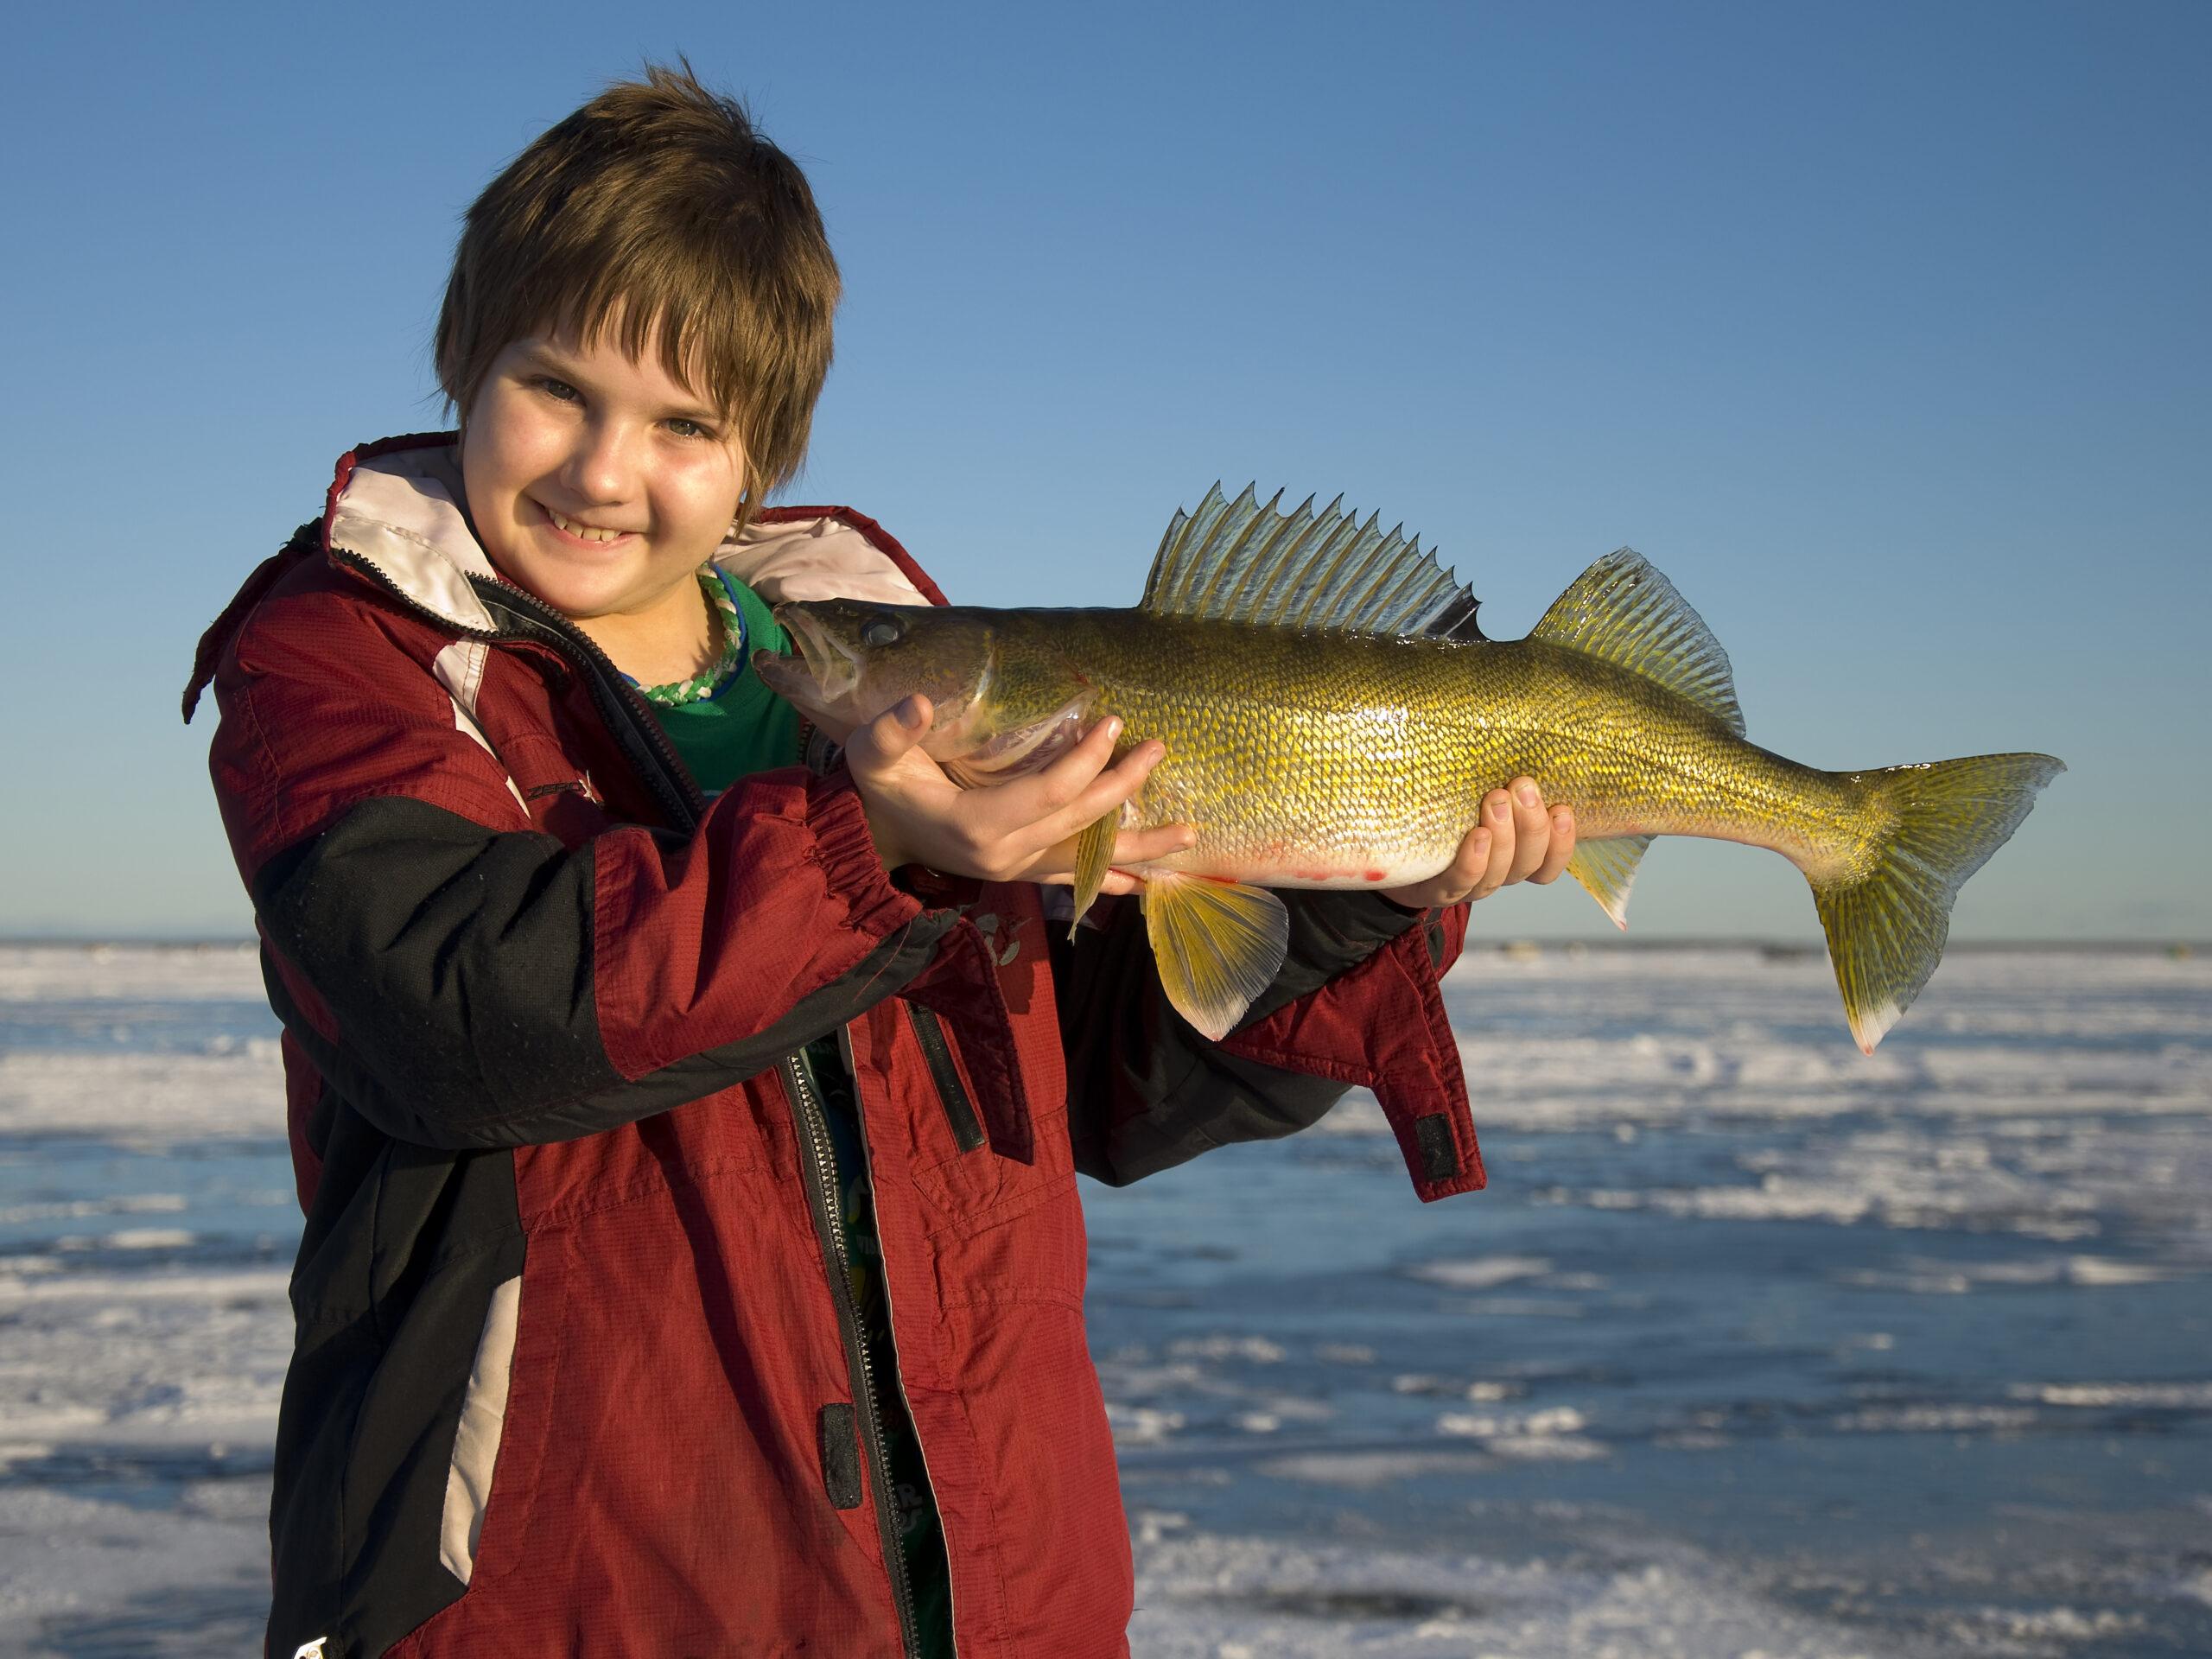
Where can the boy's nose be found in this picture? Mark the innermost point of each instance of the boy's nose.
(602, 466)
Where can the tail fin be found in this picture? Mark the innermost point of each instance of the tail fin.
(1886, 928)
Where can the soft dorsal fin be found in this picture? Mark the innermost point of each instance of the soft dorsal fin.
(1242, 561)
(1625, 613)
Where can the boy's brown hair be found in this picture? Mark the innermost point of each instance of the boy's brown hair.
(656, 205)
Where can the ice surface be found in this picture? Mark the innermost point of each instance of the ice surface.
(142, 1100)
(1756, 1346)
(111, 973)
(91, 1576)
(1239, 1597)
(1484, 1271)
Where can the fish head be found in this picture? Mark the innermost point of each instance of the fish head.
(853, 659)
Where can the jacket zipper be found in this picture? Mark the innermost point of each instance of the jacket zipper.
(890, 1314)
(829, 1226)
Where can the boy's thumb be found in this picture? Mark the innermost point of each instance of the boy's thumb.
(898, 729)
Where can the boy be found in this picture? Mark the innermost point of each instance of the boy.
(692, 1263)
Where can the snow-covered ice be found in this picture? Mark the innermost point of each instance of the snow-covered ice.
(1756, 1346)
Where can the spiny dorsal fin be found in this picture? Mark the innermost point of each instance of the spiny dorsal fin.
(1622, 611)
(1242, 561)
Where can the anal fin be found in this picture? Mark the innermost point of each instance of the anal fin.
(1219, 945)
(1607, 869)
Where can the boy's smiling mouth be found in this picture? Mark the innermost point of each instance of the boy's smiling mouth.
(576, 531)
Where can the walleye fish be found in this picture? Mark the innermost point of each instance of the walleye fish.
(1334, 717)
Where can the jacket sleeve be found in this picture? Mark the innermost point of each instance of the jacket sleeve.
(1355, 1004)
(464, 980)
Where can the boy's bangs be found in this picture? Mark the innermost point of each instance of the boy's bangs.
(640, 314)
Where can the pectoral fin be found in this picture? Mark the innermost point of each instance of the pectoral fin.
(1219, 945)
(1607, 869)
(1094, 856)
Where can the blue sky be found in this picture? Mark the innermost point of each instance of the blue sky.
(1881, 330)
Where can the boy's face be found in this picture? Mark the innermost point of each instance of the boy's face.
(598, 483)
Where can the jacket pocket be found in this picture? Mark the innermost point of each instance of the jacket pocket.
(968, 1180)
(952, 1089)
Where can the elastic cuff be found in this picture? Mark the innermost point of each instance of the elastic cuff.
(850, 866)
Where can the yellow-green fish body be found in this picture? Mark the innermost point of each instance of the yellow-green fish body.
(1332, 719)
(1329, 760)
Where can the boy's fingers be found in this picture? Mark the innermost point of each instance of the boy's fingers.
(1497, 818)
(1065, 780)
(1467, 864)
(1142, 846)
(1532, 830)
(1477, 884)
(1104, 793)
(1133, 850)
(1046, 807)
(1562, 847)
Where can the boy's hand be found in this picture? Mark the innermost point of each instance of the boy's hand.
(1021, 831)
(1516, 840)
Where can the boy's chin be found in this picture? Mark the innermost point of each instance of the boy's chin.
(580, 595)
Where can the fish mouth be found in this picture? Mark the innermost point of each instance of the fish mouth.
(823, 670)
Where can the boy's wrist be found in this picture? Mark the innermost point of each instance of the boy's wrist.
(888, 847)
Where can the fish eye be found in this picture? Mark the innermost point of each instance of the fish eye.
(879, 631)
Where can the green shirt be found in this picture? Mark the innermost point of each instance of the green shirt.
(745, 727)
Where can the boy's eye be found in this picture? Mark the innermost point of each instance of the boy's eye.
(684, 429)
(559, 389)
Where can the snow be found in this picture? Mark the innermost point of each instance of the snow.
(1237, 1597)
(1732, 1279)
(143, 1100)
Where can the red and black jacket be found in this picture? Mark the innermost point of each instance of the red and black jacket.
(573, 1373)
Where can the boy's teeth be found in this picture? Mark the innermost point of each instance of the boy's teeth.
(584, 531)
